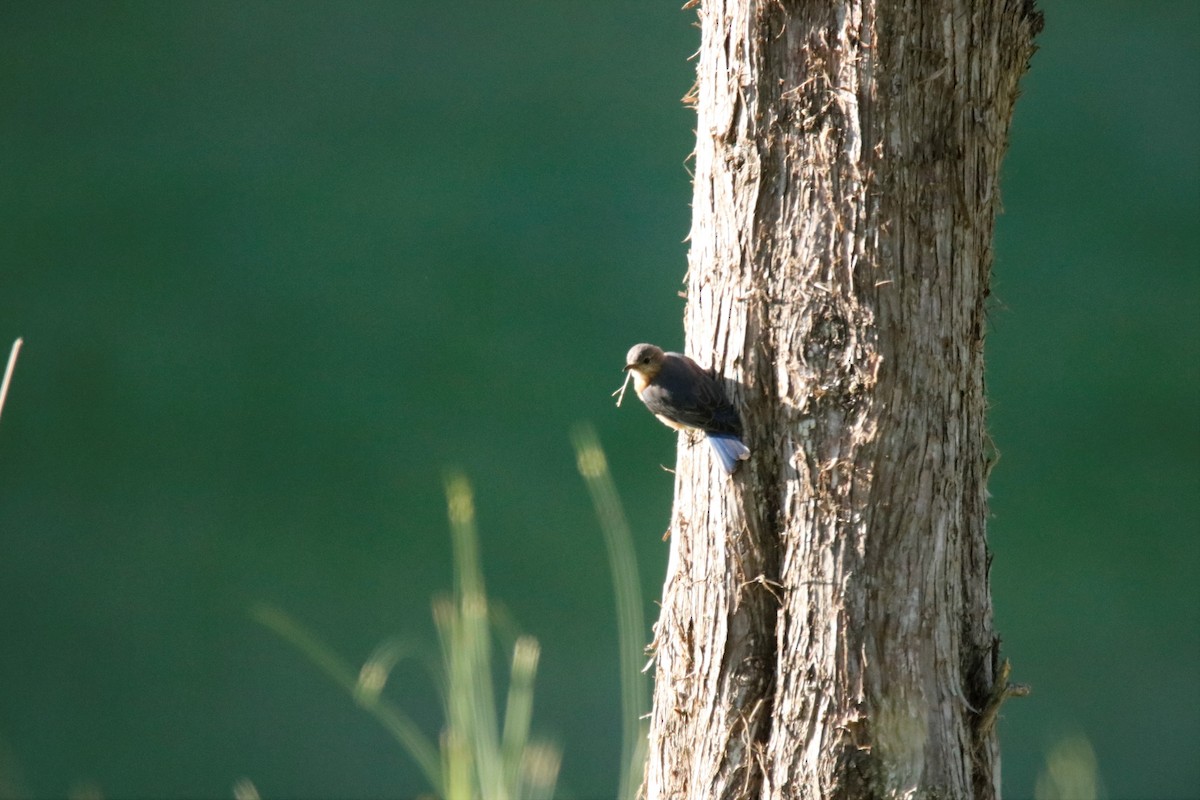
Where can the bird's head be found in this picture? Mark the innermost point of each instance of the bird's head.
(645, 359)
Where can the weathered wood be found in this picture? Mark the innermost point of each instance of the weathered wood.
(826, 629)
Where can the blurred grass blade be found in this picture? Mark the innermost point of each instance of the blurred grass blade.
(475, 760)
(467, 645)
(397, 723)
(539, 771)
(518, 712)
(631, 623)
(1071, 772)
(244, 789)
(377, 669)
(457, 766)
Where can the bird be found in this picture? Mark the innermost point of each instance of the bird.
(686, 397)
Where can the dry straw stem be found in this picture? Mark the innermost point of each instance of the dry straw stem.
(8, 371)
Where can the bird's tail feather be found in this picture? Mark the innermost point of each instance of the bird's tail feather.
(730, 449)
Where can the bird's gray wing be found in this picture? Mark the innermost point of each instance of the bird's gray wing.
(689, 395)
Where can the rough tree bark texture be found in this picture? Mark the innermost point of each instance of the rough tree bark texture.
(826, 629)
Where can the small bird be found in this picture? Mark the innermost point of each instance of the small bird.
(685, 397)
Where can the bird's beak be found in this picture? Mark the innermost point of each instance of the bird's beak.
(627, 367)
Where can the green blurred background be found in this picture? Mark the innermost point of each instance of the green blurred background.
(278, 265)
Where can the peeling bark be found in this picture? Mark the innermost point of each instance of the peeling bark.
(826, 629)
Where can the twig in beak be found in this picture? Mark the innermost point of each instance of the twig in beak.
(620, 393)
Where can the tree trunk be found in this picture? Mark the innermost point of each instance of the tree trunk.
(826, 629)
